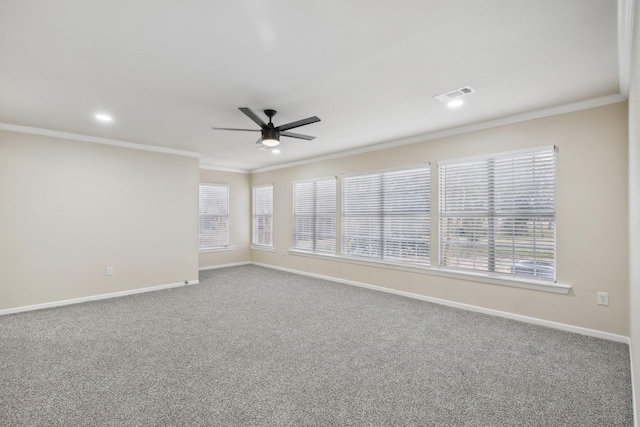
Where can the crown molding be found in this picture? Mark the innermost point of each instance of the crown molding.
(531, 115)
(95, 140)
(625, 41)
(221, 169)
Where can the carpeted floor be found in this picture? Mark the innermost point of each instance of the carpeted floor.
(255, 346)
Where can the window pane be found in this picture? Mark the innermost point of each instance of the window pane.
(361, 236)
(213, 216)
(314, 216)
(497, 214)
(386, 215)
(263, 215)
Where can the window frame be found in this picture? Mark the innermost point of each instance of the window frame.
(497, 215)
(384, 244)
(255, 243)
(227, 217)
(321, 209)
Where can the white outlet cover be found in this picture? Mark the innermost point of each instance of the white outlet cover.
(602, 298)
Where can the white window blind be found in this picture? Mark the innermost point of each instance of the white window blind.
(263, 215)
(213, 216)
(386, 215)
(314, 216)
(497, 214)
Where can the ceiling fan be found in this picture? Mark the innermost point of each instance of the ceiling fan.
(271, 134)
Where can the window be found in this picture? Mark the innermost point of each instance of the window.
(386, 215)
(213, 217)
(263, 215)
(314, 216)
(497, 214)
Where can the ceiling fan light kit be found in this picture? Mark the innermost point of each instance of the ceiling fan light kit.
(271, 134)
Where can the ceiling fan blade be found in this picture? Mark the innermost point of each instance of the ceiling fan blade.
(253, 116)
(299, 123)
(297, 135)
(247, 130)
(259, 141)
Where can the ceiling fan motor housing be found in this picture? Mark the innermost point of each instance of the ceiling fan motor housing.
(270, 133)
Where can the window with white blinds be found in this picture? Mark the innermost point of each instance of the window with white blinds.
(314, 216)
(263, 215)
(497, 214)
(387, 215)
(213, 216)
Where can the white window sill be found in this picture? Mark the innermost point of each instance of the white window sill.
(220, 249)
(263, 248)
(495, 280)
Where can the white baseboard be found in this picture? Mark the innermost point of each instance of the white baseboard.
(213, 267)
(633, 390)
(463, 306)
(94, 297)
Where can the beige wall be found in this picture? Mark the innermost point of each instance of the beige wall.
(69, 209)
(239, 220)
(592, 221)
(634, 205)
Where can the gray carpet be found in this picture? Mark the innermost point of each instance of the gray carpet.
(255, 346)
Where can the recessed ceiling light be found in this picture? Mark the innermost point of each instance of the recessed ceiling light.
(455, 103)
(105, 118)
(275, 151)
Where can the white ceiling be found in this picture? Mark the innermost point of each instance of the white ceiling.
(168, 70)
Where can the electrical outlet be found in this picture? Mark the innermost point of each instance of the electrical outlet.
(109, 271)
(602, 298)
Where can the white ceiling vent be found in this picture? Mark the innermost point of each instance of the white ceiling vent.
(448, 96)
